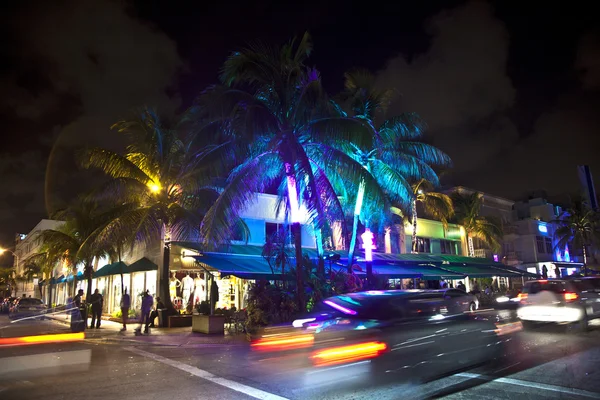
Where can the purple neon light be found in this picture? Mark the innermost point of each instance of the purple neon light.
(340, 308)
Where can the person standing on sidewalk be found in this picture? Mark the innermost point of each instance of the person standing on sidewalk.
(125, 305)
(97, 302)
(147, 302)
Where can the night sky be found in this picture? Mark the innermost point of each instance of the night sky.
(510, 89)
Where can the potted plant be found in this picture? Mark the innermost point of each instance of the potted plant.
(203, 322)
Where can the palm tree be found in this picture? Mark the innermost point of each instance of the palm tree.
(161, 184)
(279, 108)
(7, 279)
(486, 229)
(435, 205)
(578, 227)
(396, 156)
(74, 242)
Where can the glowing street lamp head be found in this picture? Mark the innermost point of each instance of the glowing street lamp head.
(367, 238)
(154, 187)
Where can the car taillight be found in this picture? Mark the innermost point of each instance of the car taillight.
(283, 342)
(522, 297)
(347, 354)
(571, 296)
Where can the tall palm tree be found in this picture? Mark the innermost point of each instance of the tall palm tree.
(279, 107)
(578, 227)
(161, 182)
(74, 242)
(396, 156)
(487, 229)
(435, 205)
(7, 279)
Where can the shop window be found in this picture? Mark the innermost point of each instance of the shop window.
(541, 249)
(448, 247)
(548, 245)
(423, 245)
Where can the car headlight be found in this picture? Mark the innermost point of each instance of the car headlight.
(502, 299)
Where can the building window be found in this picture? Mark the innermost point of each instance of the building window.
(271, 228)
(548, 245)
(423, 245)
(541, 249)
(448, 247)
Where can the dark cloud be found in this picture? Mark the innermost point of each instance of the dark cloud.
(90, 62)
(460, 85)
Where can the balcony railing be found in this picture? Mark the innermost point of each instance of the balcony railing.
(483, 253)
(510, 229)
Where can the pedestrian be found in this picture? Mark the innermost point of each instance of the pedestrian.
(125, 305)
(544, 272)
(558, 273)
(461, 286)
(77, 322)
(154, 313)
(97, 303)
(147, 302)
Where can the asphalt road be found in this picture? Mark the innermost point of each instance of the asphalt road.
(551, 363)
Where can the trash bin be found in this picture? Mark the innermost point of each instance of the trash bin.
(79, 319)
(163, 318)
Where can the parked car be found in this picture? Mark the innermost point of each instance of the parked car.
(27, 307)
(561, 301)
(404, 334)
(460, 301)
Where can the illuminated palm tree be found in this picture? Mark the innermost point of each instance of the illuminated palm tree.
(396, 156)
(435, 205)
(161, 182)
(277, 105)
(578, 227)
(466, 213)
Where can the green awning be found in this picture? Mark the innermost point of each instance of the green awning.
(141, 265)
(245, 267)
(479, 271)
(115, 268)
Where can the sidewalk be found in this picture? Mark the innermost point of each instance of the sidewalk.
(111, 331)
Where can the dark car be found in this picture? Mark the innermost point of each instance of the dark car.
(409, 333)
(562, 301)
(27, 307)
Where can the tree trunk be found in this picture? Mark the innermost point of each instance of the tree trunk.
(320, 253)
(297, 232)
(584, 261)
(89, 272)
(357, 210)
(414, 226)
(164, 279)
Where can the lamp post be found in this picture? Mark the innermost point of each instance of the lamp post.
(2, 251)
(368, 245)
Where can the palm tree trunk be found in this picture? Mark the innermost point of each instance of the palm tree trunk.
(164, 273)
(357, 210)
(320, 253)
(89, 272)
(297, 232)
(584, 261)
(414, 226)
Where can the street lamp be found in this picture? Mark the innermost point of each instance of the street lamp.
(154, 187)
(2, 251)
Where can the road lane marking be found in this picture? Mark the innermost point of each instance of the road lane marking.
(238, 387)
(533, 385)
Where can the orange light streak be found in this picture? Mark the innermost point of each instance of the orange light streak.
(40, 339)
(346, 354)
